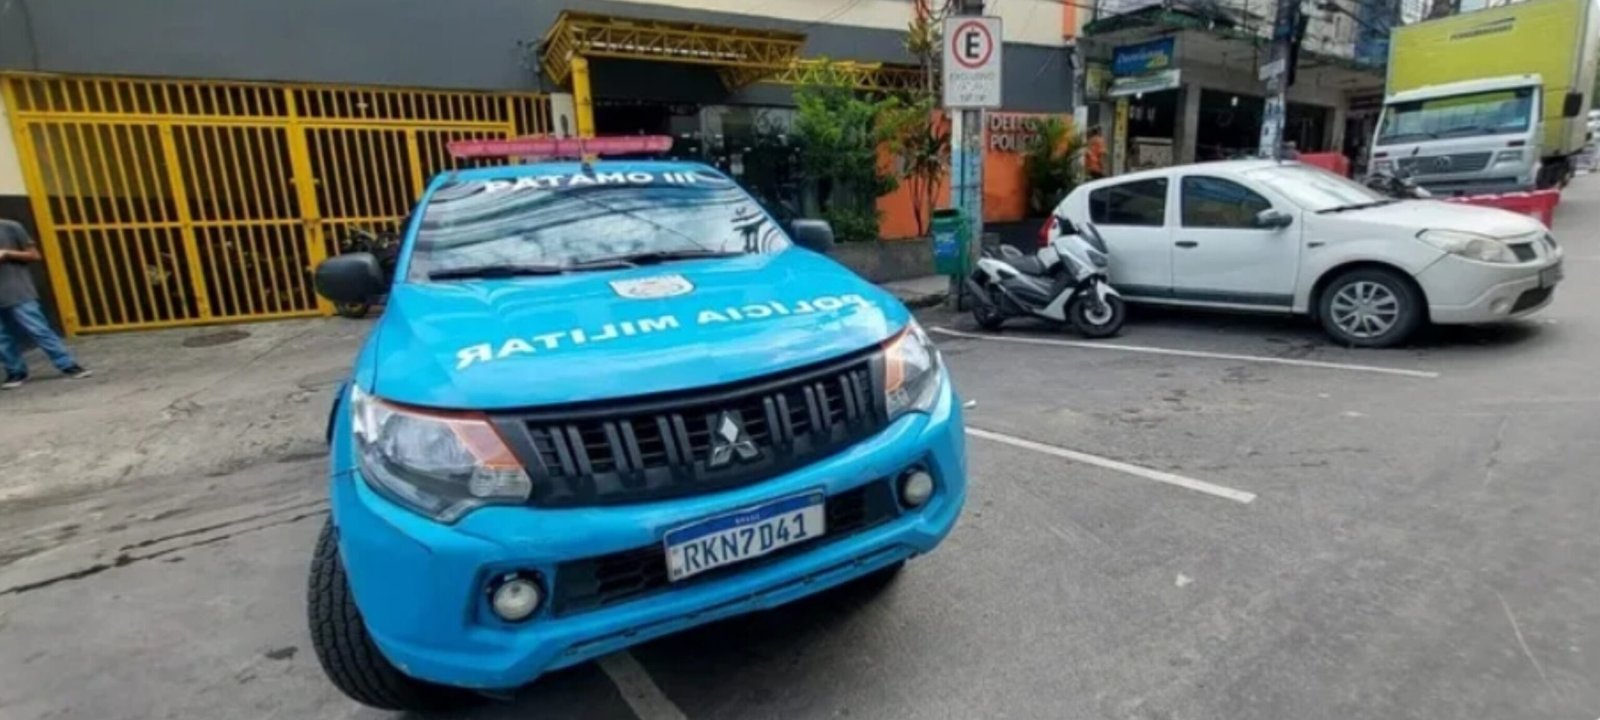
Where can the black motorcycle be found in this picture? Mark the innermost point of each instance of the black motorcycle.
(383, 246)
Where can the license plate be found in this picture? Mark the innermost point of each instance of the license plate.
(1550, 275)
(743, 534)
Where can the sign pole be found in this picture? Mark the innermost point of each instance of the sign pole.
(973, 46)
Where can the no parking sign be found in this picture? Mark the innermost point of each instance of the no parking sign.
(972, 62)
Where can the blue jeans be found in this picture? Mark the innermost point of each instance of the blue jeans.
(30, 318)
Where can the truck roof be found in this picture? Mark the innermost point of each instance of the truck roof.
(1428, 92)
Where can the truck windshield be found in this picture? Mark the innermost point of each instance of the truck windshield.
(1486, 113)
(561, 221)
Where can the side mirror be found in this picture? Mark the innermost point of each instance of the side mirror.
(813, 235)
(351, 278)
(1271, 219)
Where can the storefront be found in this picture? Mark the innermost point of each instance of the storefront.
(400, 78)
(1185, 88)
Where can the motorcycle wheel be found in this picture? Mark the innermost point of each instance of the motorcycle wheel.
(1101, 323)
(354, 311)
(986, 312)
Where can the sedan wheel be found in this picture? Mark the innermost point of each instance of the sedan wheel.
(1371, 308)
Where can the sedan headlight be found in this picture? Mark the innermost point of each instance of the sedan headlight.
(1382, 166)
(1469, 245)
(442, 465)
(911, 372)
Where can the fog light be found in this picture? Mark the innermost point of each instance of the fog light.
(916, 486)
(1499, 307)
(515, 598)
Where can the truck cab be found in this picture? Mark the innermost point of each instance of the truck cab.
(1471, 137)
(607, 401)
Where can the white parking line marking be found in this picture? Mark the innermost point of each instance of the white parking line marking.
(1188, 483)
(638, 690)
(1190, 353)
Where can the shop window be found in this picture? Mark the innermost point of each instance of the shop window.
(1140, 203)
(1216, 203)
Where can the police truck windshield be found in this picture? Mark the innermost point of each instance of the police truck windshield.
(539, 224)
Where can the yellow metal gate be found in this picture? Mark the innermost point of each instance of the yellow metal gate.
(163, 203)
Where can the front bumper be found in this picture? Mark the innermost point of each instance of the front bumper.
(1462, 291)
(420, 584)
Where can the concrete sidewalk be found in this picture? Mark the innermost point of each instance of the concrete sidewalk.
(920, 292)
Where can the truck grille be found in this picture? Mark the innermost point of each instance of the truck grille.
(670, 446)
(1446, 164)
(596, 582)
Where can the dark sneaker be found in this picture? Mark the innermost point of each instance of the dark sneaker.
(14, 380)
(76, 373)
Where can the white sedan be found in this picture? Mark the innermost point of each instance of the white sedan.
(1290, 238)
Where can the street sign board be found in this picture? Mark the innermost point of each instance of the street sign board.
(972, 51)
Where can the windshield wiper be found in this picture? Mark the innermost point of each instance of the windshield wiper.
(1356, 206)
(496, 270)
(655, 256)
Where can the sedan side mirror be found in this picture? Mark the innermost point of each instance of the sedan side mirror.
(813, 235)
(1270, 219)
(350, 278)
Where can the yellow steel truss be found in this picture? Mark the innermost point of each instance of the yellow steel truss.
(872, 77)
(742, 56)
(164, 202)
(583, 34)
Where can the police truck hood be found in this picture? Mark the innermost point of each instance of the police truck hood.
(582, 336)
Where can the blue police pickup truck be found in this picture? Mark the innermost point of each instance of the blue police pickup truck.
(605, 402)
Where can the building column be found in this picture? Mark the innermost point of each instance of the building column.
(1188, 125)
(582, 99)
(1336, 122)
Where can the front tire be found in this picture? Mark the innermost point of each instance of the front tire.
(986, 312)
(1096, 324)
(1371, 308)
(353, 311)
(348, 656)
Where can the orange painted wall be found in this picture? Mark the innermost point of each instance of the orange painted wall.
(1005, 191)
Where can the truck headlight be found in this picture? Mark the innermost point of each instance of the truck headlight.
(1469, 245)
(910, 372)
(442, 465)
(1508, 156)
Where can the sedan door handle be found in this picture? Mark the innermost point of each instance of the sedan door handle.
(1188, 244)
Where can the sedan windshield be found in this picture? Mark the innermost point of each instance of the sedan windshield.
(545, 224)
(1315, 189)
(1487, 113)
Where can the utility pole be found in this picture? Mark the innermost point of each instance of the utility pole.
(1287, 29)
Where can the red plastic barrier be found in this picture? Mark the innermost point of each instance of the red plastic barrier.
(1539, 205)
(1331, 161)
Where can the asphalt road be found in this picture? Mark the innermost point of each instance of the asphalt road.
(1413, 545)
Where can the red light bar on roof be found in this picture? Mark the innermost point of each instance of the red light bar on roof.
(549, 147)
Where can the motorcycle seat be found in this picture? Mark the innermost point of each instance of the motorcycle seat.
(1026, 264)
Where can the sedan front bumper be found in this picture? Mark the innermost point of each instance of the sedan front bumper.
(1462, 291)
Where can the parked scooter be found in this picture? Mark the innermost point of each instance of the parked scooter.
(384, 246)
(1066, 281)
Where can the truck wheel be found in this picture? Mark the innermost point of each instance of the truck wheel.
(348, 656)
(1370, 308)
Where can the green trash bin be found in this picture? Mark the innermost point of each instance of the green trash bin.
(950, 241)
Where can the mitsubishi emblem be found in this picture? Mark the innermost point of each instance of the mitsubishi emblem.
(728, 438)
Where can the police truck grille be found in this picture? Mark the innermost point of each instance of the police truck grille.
(688, 443)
